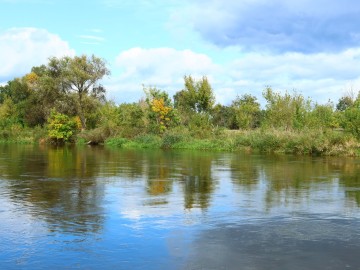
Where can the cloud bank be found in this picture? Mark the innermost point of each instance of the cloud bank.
(23, 48)
(279, 25)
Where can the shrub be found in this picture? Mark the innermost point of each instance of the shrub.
(117, 142)
(174, 136)
(60, 127)
(95, 136)
(147, 141)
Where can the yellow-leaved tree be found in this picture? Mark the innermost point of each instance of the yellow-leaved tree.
(162, 114)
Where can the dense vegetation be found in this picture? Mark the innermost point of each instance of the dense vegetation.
(63, 102)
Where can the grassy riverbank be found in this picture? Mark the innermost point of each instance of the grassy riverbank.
(304, 142)
(311, 142)
(21, 135)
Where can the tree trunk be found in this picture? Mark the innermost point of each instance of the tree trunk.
(81, 113)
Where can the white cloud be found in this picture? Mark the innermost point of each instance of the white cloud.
(89, 37)
(23, 48)
(320, 76)
(160, 67)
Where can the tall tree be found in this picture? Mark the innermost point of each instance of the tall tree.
(246, 112)
(197, 96)
(80, 75)
(46, 93)
(286, 111)
(222, 116)
(344, 103)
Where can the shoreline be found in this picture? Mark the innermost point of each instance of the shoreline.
(310, 142)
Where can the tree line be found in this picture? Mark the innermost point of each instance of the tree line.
(65, 98)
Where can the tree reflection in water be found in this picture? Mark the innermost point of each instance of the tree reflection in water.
(58, 185)
(66, 186)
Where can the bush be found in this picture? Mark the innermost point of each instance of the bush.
(60, 127)
(174, 136)
(142, 141)
(147, 141)
(310, 141)
(117, 142)
(95, 136)
(39, 133)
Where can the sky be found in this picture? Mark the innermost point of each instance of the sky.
(242, 46)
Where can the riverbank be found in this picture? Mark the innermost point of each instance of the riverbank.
(309, 142)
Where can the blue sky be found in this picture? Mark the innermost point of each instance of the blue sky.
(312, 47)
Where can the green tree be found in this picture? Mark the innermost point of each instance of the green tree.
(195, 104)
(127, 119)
(4, 92)
(344, 103)
(45, 95)
(197, 96)
(351, 119)
(246, 112)
(18, 91)
(79, 75)
(40, 91)
(222, 116)
(8, 113)
(323, 116)
(286, 111)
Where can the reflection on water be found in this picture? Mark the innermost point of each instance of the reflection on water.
(95, 207)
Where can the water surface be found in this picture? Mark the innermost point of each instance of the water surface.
(99, 208)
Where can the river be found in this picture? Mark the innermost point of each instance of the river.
(101, 208)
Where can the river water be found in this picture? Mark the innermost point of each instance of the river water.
(99, 208)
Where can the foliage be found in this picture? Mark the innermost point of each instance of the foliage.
(201, 126)
(8, 113)
(58, 99)
(351, 119)
(344, 103)
(286, 111)
(147, 141)
(161, 113)
(95, 136)
(141, 141)
(130, 120)
(175, 136)
(245, 112)
(323, 116)
(222, 116)
(45, 95)
(310, 142)
(80, 75)
(18, 92)
(116, 142)
(61, 127)
(197, 96)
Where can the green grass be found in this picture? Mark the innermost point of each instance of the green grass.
(310, 142)
(142, 141)
(305, 142)
(20, 135)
